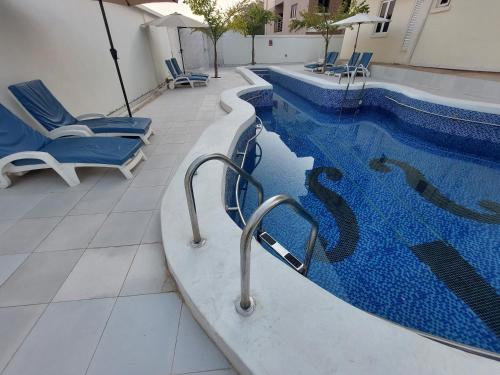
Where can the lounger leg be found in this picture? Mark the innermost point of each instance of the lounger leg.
(127, 173)
(145, 137)
(4, 180)
(68, 174)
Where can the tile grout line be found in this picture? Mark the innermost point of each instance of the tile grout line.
(111, 312)
(41, 314)
(26, 336)
(176, 337)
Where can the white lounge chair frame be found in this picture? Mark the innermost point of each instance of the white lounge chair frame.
(318, 68)
(185, 79)
(80, 130)
(65, 170)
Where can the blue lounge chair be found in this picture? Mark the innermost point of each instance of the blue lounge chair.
(364, 63)
(334, 70)
(331, 57)
(53, 120)
(361, 65)
(183, 79)
(23, 149)
(178, 70)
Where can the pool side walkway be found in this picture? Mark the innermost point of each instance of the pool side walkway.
(84, 287)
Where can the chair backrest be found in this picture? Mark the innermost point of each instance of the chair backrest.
(332, 57)
(365, 59)
(37, 99)
(171, 69)
(176, 66)
(17, 136)
(354, 59)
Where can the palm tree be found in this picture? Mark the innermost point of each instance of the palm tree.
(218, 21)
(323, 22)
(251, 21)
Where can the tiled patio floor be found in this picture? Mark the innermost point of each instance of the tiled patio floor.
(84, 286)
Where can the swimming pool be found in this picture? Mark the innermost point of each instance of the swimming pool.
(409, 223)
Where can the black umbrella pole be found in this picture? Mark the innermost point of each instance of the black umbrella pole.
(180, 49)
(114, 55)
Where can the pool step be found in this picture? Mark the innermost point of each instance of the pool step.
(282, 252)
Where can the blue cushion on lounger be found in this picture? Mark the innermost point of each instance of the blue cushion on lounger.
(138, 125)
(99, 150)
(41, 104)
(178, 70)
(16, 136)
(197, 78)
(93, 150)
(48, 111)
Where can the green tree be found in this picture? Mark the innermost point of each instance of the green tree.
(322, 21)
(251, 20)
(217, 19)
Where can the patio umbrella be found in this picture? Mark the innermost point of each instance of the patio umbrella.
(180, 22)
(359, 19)
(112, 50)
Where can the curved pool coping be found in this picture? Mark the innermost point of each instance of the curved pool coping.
(297, 327)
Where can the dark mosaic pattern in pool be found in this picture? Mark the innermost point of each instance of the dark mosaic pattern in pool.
(388, 273)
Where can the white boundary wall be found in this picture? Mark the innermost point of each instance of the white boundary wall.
(236, 49)
(64, 43)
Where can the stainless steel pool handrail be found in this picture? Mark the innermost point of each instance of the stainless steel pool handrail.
(246, 304)
(359, 99)
(440, 115)
(245, 152)
(198, 241)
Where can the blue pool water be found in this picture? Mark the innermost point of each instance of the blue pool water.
(409, 230)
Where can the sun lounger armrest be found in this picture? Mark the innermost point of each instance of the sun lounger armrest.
(71, 131)
(37, 155)
(66, 171)
(86, 116)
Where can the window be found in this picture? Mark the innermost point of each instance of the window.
(324, 3)
(278, 25)
(386, 10)
(442, 3)
(293, 11)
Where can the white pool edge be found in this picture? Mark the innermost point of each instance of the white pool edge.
(297, 328)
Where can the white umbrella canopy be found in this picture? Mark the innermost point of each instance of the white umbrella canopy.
(112, 49)
(178, 21)
(359, 19)
(137, 2)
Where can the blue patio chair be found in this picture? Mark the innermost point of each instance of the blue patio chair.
(331, 57)
(341, 68)
(178, 70)
(364, 62)
(53, 120)
(183, 79)
(360, 65)
(24, 149)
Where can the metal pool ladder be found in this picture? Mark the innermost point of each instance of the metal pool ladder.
(354, 102)
(244, 153)
(245, 306)
(263, 236)
(198, 241)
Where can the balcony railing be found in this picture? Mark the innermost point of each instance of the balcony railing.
(278, 26)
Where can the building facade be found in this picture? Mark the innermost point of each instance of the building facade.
(288, 10)
(452, 34)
